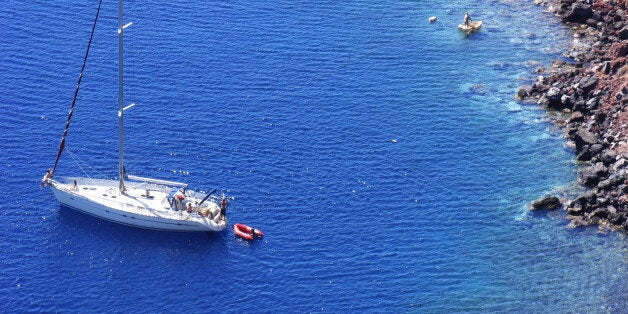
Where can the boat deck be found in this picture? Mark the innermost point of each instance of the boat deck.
(143, 199)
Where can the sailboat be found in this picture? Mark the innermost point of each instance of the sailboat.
(133, 200)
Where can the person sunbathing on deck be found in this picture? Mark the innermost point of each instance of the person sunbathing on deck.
(47, 176)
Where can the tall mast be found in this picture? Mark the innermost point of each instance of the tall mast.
(121, 95)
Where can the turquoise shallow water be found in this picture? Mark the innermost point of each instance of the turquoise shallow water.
(384, 158)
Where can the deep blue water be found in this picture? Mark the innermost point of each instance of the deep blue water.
(384, 158)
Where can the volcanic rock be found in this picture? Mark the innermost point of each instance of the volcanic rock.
(592, 175)
(618, 49)
(587, 83)
(592, 90)
(547, 202)
(579, 13)
(584, 137)
(623, 33)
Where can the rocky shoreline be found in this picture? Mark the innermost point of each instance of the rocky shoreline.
(588, 98)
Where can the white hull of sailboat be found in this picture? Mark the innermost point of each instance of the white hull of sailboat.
(134, 208)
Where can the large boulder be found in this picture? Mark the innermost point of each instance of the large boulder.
(619, 164)
(619, 177)
(585, 154)
(608, 157)
(584, 137)
(623, 33)
(576, 116)
(618, 218)
(590, 176)
(605, 185)
(588, 151)
(580, 106)
(577, 207)
(566, 101)
(601, 212)
(546, 202)
(579, 13)
(524, 92)
(606, 67)
(587, 83)
(582, 204)
(592, 103)
(554, 96)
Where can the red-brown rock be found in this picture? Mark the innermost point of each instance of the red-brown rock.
(618, 49)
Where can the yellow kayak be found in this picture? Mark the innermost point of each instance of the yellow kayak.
(471, 27)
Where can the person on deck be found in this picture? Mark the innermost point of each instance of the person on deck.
(467, 18)
(223, 207)
(177, 200)
(47, 176)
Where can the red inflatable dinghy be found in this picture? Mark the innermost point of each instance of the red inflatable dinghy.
(245, 232)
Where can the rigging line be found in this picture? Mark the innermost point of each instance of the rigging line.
(76, 90)
(76, 161)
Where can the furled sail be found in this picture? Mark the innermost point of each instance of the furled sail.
(76, 90)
